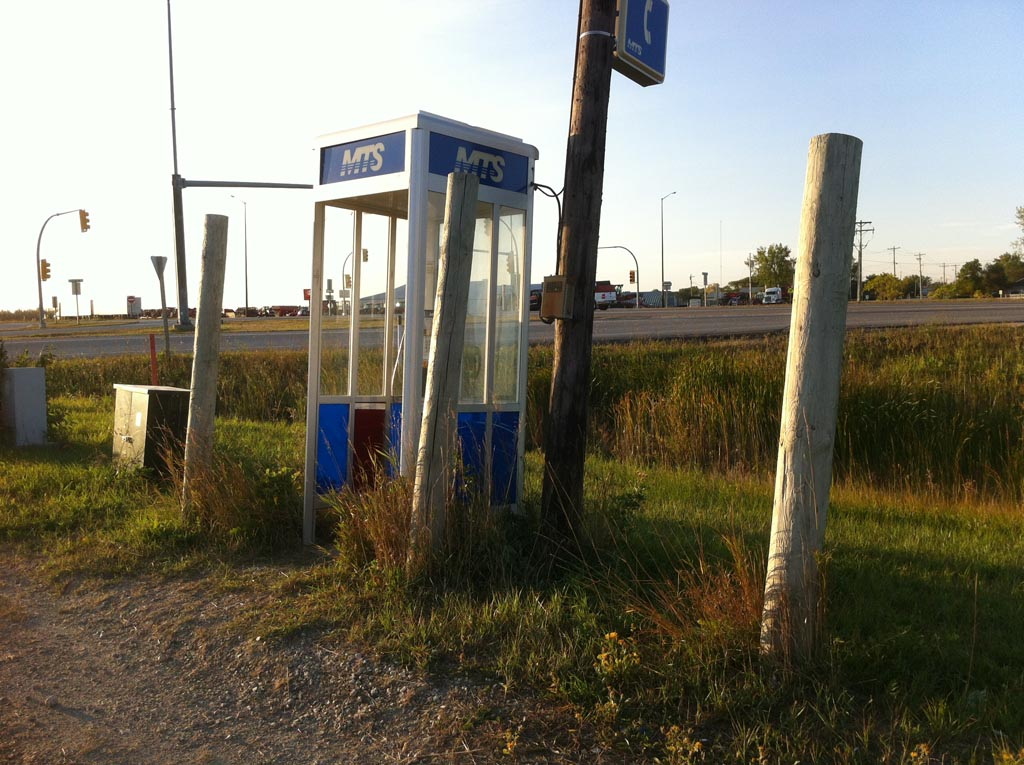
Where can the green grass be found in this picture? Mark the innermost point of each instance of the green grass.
(650, 633)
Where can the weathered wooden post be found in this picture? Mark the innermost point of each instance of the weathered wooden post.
(203, 398)
(803, 476)
(565, 442)
(438, 447)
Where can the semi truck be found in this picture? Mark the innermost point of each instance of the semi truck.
(605, 295)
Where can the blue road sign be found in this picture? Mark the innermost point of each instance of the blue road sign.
(641, 40)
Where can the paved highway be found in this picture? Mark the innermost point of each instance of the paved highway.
(614, 325)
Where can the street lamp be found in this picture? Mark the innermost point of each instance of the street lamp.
(245, 237)
(636, 265)
(663, 246)
(84, 216)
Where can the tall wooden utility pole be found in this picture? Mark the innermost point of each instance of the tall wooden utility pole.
(860, 254)
(565, 443)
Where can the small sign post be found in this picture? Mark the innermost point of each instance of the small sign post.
(76, 290)
(159, 261)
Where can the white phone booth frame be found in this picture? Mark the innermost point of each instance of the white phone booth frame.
(398, 170)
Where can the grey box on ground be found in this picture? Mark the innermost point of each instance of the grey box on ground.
(150, 422)
(24, 405)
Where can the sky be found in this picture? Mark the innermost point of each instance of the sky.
(931, 87)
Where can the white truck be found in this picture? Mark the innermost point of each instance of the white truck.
(605, 295)
(772, 296)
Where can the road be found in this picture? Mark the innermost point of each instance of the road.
(614, 325)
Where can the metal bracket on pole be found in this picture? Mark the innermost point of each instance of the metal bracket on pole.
(185, 184)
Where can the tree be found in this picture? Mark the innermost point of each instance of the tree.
(970, 279)
(1018, 246)
(774, 266)
(885, 287)
(995, 277)
(1013, 266)
(909, 286)
(943, 292)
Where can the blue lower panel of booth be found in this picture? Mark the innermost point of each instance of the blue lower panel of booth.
(332, 447)
(395, 438)
(504, 458)
(473, 438)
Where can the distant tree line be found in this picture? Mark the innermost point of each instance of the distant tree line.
(23, 314)
(775, 266)
(973, 279)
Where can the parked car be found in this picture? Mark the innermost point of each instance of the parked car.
(535, 296)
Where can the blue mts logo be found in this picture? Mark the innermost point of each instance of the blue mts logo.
(362, 159)
(490, 167)
(367, 158)
(500, 169)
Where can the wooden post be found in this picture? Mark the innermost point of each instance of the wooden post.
(154, 377)
(803, 477)
(203, 398)
(438, 445)
(565, 442)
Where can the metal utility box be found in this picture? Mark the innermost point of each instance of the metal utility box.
(24, 404)
(556, 298)
(149, 425)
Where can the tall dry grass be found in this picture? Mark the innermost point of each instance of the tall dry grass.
(938, 409)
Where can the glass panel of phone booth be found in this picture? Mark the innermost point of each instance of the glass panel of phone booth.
(372, 296)
(335, 319)
(508, 304)
(474, 354)
(396, 327)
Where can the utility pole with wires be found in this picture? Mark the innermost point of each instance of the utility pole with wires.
(566, 437)
(894, 259)
(920, 276)
(860, 254)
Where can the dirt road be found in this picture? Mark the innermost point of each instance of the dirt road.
(159, 672)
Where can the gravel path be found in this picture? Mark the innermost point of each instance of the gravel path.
(152, 671)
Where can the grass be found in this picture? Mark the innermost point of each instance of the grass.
(650, 633)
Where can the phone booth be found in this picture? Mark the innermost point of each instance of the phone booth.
(379, 205)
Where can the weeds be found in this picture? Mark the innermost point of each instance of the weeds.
(651, 632)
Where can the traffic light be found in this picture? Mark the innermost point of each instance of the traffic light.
(366, 255)
(83, 220)
(632, 277)
(348, 281)
(44, 269)
(510, 264)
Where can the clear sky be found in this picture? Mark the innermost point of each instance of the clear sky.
(932, 87)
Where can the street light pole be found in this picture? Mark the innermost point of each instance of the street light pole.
(177, 206)
(245, 237)
(636, 265)
(663, 246)
(39, 273)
